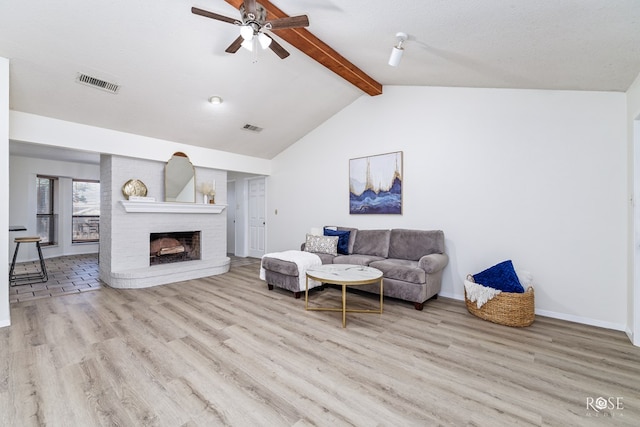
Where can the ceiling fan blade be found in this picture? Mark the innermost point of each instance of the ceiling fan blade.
(214, 16)
(233, 47)
(250, 6)
(289, 22)
(277, 48)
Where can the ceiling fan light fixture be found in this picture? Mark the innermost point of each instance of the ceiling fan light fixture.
(398, 50)
(264, 40)
(216, 100)
(247, 44)
(252, 24)
(246, 31)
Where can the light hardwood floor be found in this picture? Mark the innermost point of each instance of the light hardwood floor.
(224, 350)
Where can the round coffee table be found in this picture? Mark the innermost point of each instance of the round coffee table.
(344, 275)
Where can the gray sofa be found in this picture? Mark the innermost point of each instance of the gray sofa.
(412, 262)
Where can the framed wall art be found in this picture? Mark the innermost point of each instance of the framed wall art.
(375, 184)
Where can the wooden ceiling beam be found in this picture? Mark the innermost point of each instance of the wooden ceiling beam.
(307, 43)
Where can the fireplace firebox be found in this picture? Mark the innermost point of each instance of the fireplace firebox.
(171, 247)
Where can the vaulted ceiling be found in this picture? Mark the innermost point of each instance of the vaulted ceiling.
(168, 62)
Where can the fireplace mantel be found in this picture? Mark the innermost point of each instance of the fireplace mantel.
(168, 207)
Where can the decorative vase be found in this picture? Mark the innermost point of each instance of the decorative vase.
(212, 200)
(205, 199)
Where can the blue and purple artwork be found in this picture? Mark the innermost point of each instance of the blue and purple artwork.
(375, 184)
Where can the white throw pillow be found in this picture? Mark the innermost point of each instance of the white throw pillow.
(322, 244)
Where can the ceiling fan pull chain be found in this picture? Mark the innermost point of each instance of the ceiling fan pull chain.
(254, 51)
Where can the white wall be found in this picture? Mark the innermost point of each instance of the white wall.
(4, 191)
(633, 291)
(539, 177)
(43, 130)
(23, 203)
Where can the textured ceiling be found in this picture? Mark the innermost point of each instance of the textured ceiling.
(169, 61)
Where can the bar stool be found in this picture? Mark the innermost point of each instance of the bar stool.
(30, 277)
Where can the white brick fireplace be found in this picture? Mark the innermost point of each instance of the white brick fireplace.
(126, 226)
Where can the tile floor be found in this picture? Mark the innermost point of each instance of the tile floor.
(72, 274)
(67, 275)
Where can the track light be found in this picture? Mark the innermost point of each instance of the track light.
(398, 50)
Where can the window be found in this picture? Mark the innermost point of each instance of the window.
(45, 217)
(86, 211)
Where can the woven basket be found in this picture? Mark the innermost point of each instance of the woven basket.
(506, 308)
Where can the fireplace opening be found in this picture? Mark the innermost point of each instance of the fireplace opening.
(171, 247)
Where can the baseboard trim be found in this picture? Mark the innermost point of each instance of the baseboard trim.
(629, 333)
(564, 316)
(583, 320)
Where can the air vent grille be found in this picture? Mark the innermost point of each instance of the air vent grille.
(97, 83)
(252, 128)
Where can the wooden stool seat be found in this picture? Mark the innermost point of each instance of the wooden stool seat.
(30, 277)
(27, 239)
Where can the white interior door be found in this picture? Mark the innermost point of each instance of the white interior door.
(231, 217)
(257, 217)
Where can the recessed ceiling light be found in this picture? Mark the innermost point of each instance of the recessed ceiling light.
(215, 100)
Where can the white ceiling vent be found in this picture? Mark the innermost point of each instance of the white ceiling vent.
(97, 83)
(252, 128)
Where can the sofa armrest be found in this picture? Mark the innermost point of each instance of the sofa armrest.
(433, 263)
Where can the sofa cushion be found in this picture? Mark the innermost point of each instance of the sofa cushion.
(322, 244)
(356, 259)
(413, 244)
(343, 239)
(372, 242)
(401, 269)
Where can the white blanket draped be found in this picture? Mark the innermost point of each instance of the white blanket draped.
(478, 293)
(302, 259)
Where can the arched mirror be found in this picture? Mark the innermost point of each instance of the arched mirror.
(179, 179)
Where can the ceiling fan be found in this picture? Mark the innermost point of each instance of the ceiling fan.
(253, 26)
